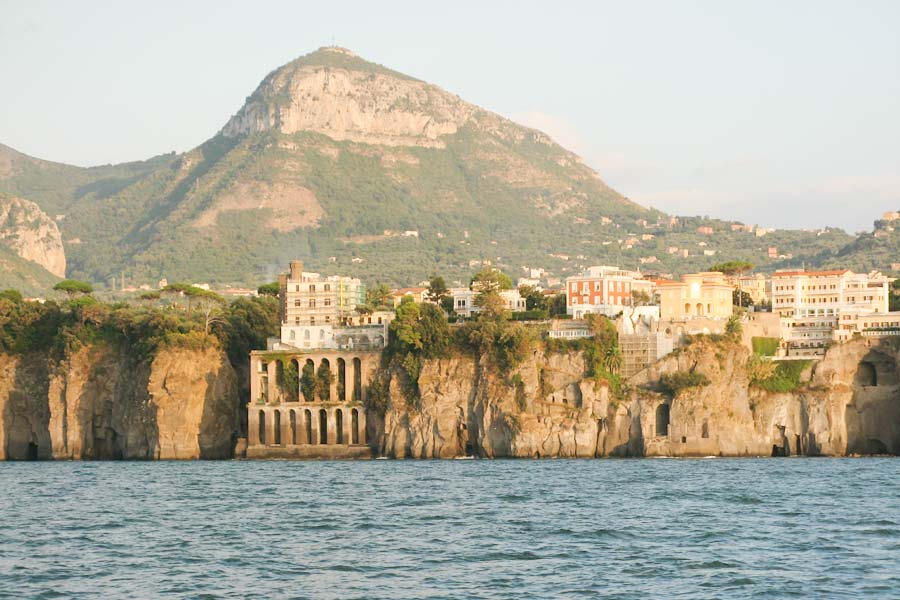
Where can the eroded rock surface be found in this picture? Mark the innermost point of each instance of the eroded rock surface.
(98, 404)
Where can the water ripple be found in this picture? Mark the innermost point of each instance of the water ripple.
(779, 528)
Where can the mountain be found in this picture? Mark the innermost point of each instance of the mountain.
(358, 168)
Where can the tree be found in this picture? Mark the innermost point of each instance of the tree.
(11, 295)
(73, 287)
(612, 359)
(379, 296)
(437, 290)
(268, 289)
(308, 382)
(733, 328)
(640, 298)
(324, 378)
(490, 280)
(534, 298)
(734, 268)
(557, 305)
(741, 298)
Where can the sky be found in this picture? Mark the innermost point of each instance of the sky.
(781, 114)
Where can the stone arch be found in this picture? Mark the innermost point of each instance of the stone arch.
(339, 426)
(325, 394)
(662, 420)
(379, 341)
(323, 426)
(293, 420)
(687, 308)
(354, 426)
(699, 309)
(342, 379)
(276, 418)
(357, 380)
(307, 423)
(866, 374)
(308, 367)
(262, 427)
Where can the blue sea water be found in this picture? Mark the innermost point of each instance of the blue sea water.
(771, 528)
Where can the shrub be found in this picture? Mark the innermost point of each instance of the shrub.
(785, 378)
(673, 383)
(765, 346)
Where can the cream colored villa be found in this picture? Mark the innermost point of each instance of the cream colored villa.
(706, 295)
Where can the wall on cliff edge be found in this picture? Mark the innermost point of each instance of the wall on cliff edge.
(848, 403)
(98, 404)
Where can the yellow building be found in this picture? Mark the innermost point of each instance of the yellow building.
(705, 295)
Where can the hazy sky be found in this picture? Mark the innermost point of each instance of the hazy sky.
(781, 113)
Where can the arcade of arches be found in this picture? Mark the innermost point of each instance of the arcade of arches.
(326, 415)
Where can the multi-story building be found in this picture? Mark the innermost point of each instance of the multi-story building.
(604, 290)
(705, 295)
(418, 295)
(464, 301)
(812, 303)
(757, 286)
(321, 312)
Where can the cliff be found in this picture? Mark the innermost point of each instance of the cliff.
(31, 234)
(848, 403)
(99, 404)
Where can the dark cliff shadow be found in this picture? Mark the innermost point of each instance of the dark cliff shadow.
(26, 416)
(219, 419)
(873, 416)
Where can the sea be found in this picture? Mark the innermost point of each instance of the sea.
(455, 529)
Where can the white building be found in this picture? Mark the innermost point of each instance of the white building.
(464, 301)
(812, 303)
(320, 312)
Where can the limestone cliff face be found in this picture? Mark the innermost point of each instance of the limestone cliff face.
(31, 234)
(850, 404)
(351, 100)
(97, 404)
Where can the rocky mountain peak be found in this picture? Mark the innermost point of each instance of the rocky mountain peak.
(336, 93)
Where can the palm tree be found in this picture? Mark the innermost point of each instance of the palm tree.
(612, 359)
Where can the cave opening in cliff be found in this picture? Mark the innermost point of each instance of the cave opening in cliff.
(276, 419)
(323, 427)
(354, 426)
(866, 374)
(339, 426)
(662, 420)
(704, 432)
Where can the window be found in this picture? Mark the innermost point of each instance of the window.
(327, 287)
(312, 302)
(312, 287)
(327, 301)
(312, 320)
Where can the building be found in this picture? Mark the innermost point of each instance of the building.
(640, 350)
(757, 286)
(464, 301)
(705, 230)
(320, 312)
(418, 295)
(569, 329)
(698, 295)
(812, 303)
(308, 389)
(604, 290)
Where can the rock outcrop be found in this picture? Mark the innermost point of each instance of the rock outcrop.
(30, 233)
(99, 404)
(849, 403)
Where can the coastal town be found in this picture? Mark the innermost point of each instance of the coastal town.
(333, 331)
